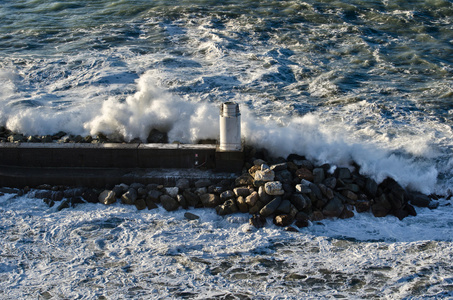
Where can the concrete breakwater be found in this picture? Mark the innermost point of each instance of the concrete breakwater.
(290, 191)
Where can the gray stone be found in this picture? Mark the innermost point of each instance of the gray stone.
(107, 197)
(362, 206)
(300, 201)
(64, 204)
(172, 191)
(371, 187)
(154, 196)
(140, 204)
(284, 176)
(203, 183)
(283, 220)
(264, 197)
(241, 191)
(191, 216)
(182, 201)
(274, 188)
(210, 200)
(420, 200)
(120, 189)
(169, 203)
(333, 208)
(258, 162)
(271, 207)
(284, 207)
(318, 175)
(129, 197)
(142, 192)
(150, 204)
(191, 198)
(330, 182)
(256, 208)
(201, 191)
(257, 221)
(137, 185)
(244, 180)
(227, 208)
(303, 163)
(182, 183)
(342, 173)
(264, 175)
(303, 187)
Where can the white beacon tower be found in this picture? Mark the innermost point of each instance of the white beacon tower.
(230, 127)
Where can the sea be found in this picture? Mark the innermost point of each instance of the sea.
(345, 82)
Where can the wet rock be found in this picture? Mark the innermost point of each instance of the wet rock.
(283, 220)
(304, 163)
(154, 196)
(350, 195)
(182, 201)
(318, 175)
(400, 214)
(210, 200)
(300, 201)
(140, 204)
(291, 229)
(137, 185)
(279, 167)
(271, 207)
(410, 209)
(257, 221)
(49, 202)
(256, 208)
(317, 216)
(191, 216)
(172, 191)
(90, 196)
(420, 200)
(304, 173)
(333, 209)
(284, 207)
(191, 198)
(342, 173)
(227, 208)
(129, 197)
(64, 204)
(330, 182)
(169, 203)
(382, 207)
(150, 204)
(303, 187)
(284, 176)
(107, 197)
(362, 206)
(274, 188)
(346, 213)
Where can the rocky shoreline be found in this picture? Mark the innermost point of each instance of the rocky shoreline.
(291, 191)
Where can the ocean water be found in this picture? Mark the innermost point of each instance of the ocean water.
(343, 81)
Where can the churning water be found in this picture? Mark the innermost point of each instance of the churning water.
(337, 81)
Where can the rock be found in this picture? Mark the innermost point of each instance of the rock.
(271, 207)
(330, 182)
(333, 208)
(129, 197)
(265, 174)
(317, 216)
(382, 207)
(342, 173)
(346, 213)
(257, 221)
(64, 204)
(274, 188)
(210, 200)
(362, 206)
(251, 199)
(284, 176)
(154, 196)
(156, 136)
(120, 189)
(304, 164)
(279, 167)
(352, 187)
(304, 173)
(227, 195)
(253, 170)
(420, 200)
(107, 197)
(371, 187)
(256, 208)
(318, 175)
(410, 209)
(241, 191)
(284, 207)
(258, 162)
(150, 204)
(33, 139)
(191, 198)
(172, 191)
(191, 216)
(49, 202)
(244, 180)
(243, 207)
(283, 220)
(264, 197)
(303, 187)
(137, 185)
(300, 201)
(328, 192)
(169, 203)
(302, 223)
(291, 229)
(90, 196)
(202, 183)
(140, 204)
(182, 201)
(201, 191)
(182, 184)
(227, 208)
(350, 195)
(400, 213)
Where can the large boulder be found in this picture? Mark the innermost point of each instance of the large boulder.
(271, 207)
(169, 203)
(129, 197)
(227, 208)
(274, 188)
(210, 200)
(333, 208)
